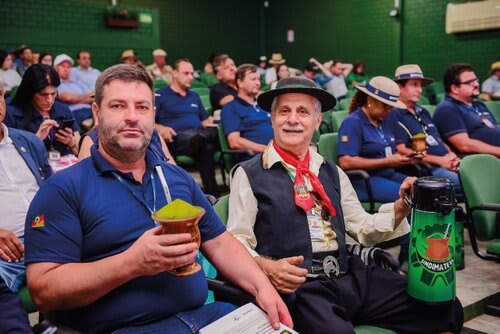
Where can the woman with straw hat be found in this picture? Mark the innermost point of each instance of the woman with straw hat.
(366, 142)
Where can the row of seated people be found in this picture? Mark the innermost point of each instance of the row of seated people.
(98, 262)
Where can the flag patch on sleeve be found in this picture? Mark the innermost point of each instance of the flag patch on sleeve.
(344, 139)
(38, 221)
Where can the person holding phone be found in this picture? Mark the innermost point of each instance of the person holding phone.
(35, 109)
(367, 142)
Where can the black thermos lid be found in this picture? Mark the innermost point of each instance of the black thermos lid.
(433, 194)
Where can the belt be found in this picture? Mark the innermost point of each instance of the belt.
(325, 264)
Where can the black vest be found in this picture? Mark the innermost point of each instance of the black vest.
(281, 227)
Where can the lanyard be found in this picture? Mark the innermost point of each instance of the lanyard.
(143, 202)
(380, 131)
(417, 116)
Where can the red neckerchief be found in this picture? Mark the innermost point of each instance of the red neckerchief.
(303, 198)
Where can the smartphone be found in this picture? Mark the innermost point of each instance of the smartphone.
(67, 123)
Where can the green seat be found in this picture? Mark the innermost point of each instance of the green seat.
(337, 119)
(201, 90)
(13, 91)
(208, 79)
(328, 144)
(344, 104)
(157, 84)
(481, 185)
(26, 300)
(431, 91)
(226, 152)
(197, 84)
(205, 99)
(440, 97)
(430, 108)
(423, 100)
(494, 108)
(326, 123)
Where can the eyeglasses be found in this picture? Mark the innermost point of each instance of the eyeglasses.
(468, 82)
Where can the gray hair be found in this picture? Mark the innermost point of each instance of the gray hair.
(122, 72)
(317, 105)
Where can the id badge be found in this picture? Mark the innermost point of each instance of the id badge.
(54, 155)
(388, 151)
(431, 141)
(316, 229)
(487, 122)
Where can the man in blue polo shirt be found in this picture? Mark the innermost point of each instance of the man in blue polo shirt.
(464, 121)
(183, 122)
(246, 125)
(95, 257)
(406, 123)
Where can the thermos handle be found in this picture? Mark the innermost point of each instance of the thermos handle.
(444, 206)
(407, 199)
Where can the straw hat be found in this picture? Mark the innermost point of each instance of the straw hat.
(412, 71)
(128, 53)
(495, 66)
(159, 52)
(276, 59)
(384, 90)
(297, 85)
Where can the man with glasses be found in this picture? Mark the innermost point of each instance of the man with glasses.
(225, 91)
(462, 119)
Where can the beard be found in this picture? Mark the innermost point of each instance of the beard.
(124, 149)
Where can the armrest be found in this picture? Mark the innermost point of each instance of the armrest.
(227, 292)
(358, 174)
(240, 151)
(487, 207)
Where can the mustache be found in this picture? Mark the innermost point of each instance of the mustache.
(288, 127)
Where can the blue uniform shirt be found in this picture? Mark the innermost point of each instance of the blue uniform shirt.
(249, 120)
(419, 123)
(179, 112)
(453, 117)
(59, 112)
(88, 215)
(359, 137)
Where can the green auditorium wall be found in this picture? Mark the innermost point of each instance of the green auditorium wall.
(192, 29)
(363, 29)
(326, 29)
(68, 26)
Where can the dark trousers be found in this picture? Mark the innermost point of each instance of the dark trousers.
(13, 318)
(369, 296)
(200, 144)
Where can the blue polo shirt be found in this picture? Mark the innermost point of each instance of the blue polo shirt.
(252, 122)
(59, 112)
(421, 122)
(89, 214)
(179, 112)
(359, 137)
(452, 117)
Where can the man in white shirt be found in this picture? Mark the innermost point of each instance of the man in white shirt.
(292, 209)
(84, 73)
(23, 167)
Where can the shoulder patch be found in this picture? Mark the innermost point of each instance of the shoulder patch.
(344, 139)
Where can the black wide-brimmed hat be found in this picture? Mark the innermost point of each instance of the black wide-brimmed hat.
(299, 85)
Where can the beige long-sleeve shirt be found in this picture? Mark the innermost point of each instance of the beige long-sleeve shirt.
(368, 229)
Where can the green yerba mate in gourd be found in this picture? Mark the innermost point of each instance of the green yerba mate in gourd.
(431, 263)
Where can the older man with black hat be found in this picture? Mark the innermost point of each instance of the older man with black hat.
(291, 209)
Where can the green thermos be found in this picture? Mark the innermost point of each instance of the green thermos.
(431, 263)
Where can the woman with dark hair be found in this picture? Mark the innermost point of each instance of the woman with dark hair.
(46, 58)
(282, 72)
(357, 75)
(9, 77)
(35, 109)
(366, 142)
